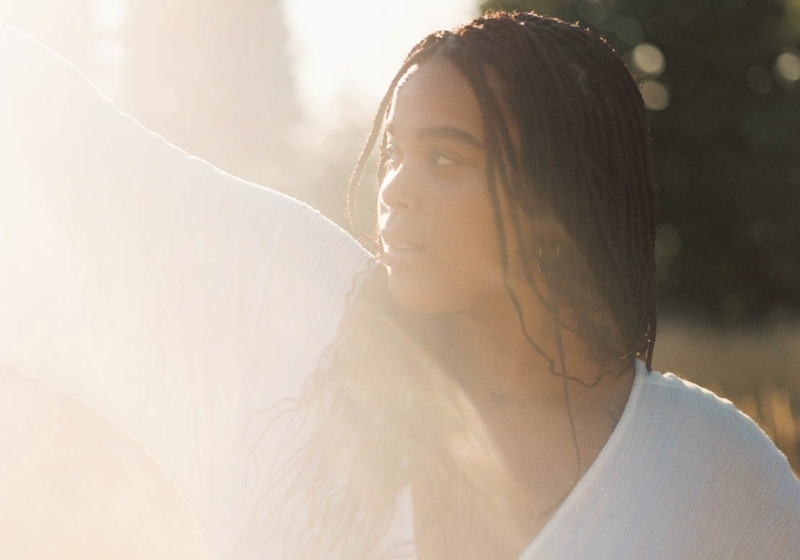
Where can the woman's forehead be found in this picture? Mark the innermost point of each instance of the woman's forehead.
(434, 93)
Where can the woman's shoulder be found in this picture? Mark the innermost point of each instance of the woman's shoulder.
(691, 476)
(694, 418)
(684, 475)
(684, 409)
(710, 454)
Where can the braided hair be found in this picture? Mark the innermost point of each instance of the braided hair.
(581, 159)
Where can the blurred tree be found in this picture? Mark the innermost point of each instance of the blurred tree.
(211, 76)
(214, 78)
(65, 27)
(720, 80)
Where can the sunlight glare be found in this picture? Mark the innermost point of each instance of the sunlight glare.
(109, 15)
(655, 95)
(347, 53)
(649, 59)
(787, 67)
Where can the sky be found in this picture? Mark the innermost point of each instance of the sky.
(347, 51)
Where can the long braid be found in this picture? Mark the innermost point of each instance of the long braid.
(581, 182)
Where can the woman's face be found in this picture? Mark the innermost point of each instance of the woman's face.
(435, 216)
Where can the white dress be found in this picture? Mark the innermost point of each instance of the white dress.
(180, 303)
(176, 300)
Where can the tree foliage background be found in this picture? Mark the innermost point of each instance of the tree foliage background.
(725, 128)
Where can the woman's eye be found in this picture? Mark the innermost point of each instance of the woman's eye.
(392, 156)
(438, 159)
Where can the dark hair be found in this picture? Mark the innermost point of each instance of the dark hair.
(381, 396)
(583, 160)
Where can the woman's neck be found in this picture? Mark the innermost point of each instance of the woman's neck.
(537, 410)
(511, 359)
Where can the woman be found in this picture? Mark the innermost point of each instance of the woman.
(516, 224)
(487, 394)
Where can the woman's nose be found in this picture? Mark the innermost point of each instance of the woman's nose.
(399, 190)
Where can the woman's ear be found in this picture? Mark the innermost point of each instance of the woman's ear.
(537, 244)
(549, 247)
(570, 287)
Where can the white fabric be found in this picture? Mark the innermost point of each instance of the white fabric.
(179, 302)
(174, 299)
(684, 475)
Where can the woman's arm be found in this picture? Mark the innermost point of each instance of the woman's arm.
(174, 299)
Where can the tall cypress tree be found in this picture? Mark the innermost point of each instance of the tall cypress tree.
(214, 78)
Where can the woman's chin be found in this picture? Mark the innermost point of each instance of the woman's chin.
(418, 295)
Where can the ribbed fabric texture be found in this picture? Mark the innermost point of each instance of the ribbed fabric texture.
(684, 475)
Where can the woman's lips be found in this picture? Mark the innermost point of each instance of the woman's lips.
(400, 252)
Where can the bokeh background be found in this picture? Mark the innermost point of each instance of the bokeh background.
(282, 94)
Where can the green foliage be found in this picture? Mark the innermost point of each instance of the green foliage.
(725, 130)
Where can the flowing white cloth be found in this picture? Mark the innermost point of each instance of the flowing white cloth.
(174, 299)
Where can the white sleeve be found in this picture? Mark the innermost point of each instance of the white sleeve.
(174, 299)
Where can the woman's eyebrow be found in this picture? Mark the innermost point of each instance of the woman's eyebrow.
(447, 132)
(450, 133)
